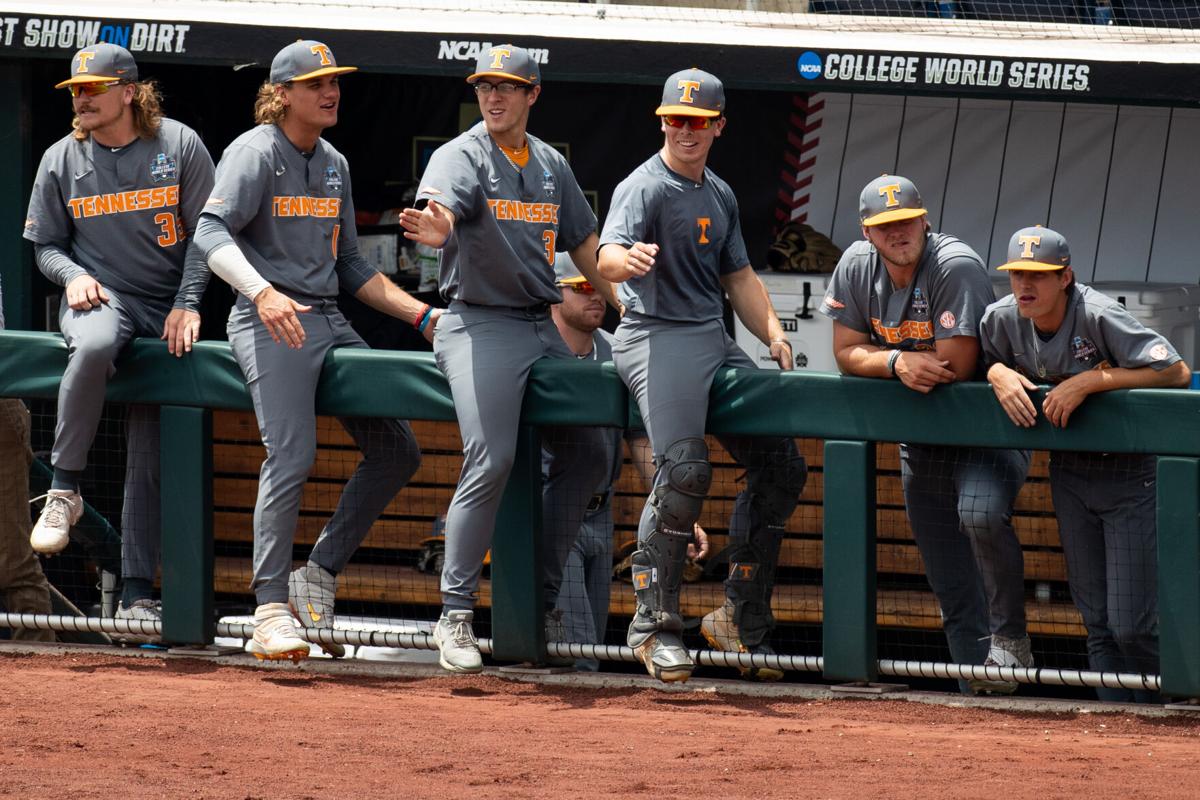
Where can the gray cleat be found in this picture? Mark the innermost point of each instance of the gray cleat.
(556, 632)
(457, 646)
(311, 591)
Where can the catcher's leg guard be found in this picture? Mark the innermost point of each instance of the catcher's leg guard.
(745, 622)
(656, 631)
(657, 627)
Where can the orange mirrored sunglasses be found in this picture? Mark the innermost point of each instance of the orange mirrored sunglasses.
(91, 89)
(584, 287)
(695, 123)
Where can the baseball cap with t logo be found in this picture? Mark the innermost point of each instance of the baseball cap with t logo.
(692, 93)
(304, 60)
(101, 63)
(507, 62)
(1037, 249)
(889, 198)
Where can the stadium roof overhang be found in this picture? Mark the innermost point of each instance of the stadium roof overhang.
(641, 44)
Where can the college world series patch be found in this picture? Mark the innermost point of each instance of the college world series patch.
(333, 180)
(163, 168)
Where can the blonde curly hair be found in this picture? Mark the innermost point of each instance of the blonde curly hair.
(268, 104)
(146, 108)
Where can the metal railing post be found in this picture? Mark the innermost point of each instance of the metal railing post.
(518, 633)
(187, 525)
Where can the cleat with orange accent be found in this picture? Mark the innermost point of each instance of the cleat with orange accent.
(722, 633)
(311, 590)
(275, 636)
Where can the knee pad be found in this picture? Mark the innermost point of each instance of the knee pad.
(687, 477)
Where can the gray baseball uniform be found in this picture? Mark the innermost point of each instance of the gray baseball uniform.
(122, 216)
(978, 577)
(292, 216)
(587, 576)
(668, 348)
(1105, 503)
(497, 275)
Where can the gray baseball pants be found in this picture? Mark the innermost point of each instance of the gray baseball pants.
(94, 338)
(587, 583)
(669, 369)
(959, 501)
(1106, 519)
(283, 385)
(486, 353)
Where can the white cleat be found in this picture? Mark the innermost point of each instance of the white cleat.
(63, 509)
(275, 636)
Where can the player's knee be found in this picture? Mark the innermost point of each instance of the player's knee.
(94, 351)
(777, 485)
(687, 477)
(289, 465)
(982, 518)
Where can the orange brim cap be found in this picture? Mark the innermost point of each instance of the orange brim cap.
(684, 111)
(86, 79)
(505, 75)
(895, 215)
(1032, 266)
(320, 73)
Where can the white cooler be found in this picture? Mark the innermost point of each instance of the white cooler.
(796, 298)
(1170, 309)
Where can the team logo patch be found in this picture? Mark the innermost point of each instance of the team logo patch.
(548, 185)
(333, 180)
(946, 320)
(1082, 349)
(739, 571)
(1159, 352)
(163, 168)
(919, 304)
(832, 302)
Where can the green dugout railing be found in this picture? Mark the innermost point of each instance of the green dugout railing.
(850, 414)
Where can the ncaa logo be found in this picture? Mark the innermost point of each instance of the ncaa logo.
(809, 65)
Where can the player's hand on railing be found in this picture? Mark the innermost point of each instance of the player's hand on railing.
(181, 329)
(781, 353)
(85, 293)
(921, 371)
(434, 316)
(1010, 387)
(1067, 396)
(278, 313)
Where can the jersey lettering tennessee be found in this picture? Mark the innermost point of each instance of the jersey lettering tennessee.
(305, 206)
(537, 213)
(122, 202)
(908, 329)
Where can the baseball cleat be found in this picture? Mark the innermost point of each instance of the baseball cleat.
(668, 660)
(458, 649)
(556, 632)
(1003, 652)
(63, 509)
(311, 592)
(145, 610)
(722, 634)
(275, 637)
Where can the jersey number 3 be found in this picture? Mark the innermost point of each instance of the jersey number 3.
(170, 232)
(548, 241)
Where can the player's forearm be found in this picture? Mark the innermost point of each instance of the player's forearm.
(194, 280)
(1175, 376)
(383, 295)
(753, 306)
(584, 257)
(56, 265)
(225, 258)
(864, 361)
(611, 263)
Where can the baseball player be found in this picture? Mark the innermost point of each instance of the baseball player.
(23, 585)
(906, 304)
(1052, 330)
(583, 599)
(112, 206)
(673, 242)
(279, 228)
(500, 204)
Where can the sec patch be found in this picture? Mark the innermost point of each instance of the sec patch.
(946, 320)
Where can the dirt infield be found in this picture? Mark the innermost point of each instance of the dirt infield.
(86, 725)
